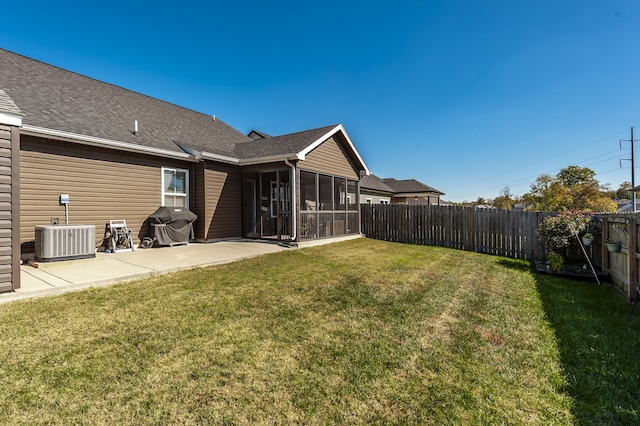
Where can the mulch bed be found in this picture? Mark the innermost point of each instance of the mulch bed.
(573, 271)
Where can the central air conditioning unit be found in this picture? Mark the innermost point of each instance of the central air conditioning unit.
(64, 242)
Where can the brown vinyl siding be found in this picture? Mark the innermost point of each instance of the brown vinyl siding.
(331, 158)
(223, 201)
(102, 185)
(197, 204)
(9, 245)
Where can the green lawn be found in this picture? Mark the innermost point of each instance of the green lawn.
(357, 332)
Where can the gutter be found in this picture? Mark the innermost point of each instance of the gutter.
(217, 157)
(294, 210)
(103, 143)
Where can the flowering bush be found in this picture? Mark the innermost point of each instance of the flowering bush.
(558, 233)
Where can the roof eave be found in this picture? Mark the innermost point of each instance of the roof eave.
(269, 159)
(10, 119)
(103, 143)
(376, 191)
(221, 158)
(418, 194)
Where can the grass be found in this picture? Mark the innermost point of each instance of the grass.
(358, 332)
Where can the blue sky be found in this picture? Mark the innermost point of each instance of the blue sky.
(466, 96)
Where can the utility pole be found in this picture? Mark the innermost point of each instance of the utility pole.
(633, 169)
(633, 179)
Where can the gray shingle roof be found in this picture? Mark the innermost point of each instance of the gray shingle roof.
(280, 145)
(409, 185)
(7, 105)
(254, 134)
(53, 98)
(373, 182)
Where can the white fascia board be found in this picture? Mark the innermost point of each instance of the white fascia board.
(220, 158)
(269, 159)
(103, 143)
(248, 161)
(10, 119)
(339, 128)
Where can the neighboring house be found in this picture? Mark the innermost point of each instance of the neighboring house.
(119, 154)
(626, 206)
(410, 191)
(374, 190)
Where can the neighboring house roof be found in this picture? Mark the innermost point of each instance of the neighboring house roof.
(65, 105)
(628, 207)
(410, 186)
(374, 183)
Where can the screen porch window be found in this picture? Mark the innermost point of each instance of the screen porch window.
(175, 187)
(328, 206)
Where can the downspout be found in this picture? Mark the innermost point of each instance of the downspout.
(294, 205)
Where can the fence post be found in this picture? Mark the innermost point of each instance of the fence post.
(631, 257)
(605, 237)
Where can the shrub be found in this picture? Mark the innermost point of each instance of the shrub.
(558, 233)
(555, 261)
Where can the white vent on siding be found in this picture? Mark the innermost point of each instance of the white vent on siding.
(64, 242)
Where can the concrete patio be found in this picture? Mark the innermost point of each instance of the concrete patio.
(44, 279)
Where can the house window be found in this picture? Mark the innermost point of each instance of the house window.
(368, 200)
(384, 201)
(175, 187)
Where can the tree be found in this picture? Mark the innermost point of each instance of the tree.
(548, 194)
(574, 175)
(623, 191)
(504, 201)
(573, 188)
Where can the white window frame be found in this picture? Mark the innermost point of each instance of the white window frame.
(385, 201)
(174, 194)
(368, 200)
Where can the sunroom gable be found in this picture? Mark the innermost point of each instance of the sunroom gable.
(332, 157)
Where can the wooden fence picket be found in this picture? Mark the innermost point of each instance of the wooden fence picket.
(499, 232)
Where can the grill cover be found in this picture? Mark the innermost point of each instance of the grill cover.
(172, 225)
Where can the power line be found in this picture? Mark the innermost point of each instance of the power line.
(522, 181)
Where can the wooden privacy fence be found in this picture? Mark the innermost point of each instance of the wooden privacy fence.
(510, 233)
(623, 267)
